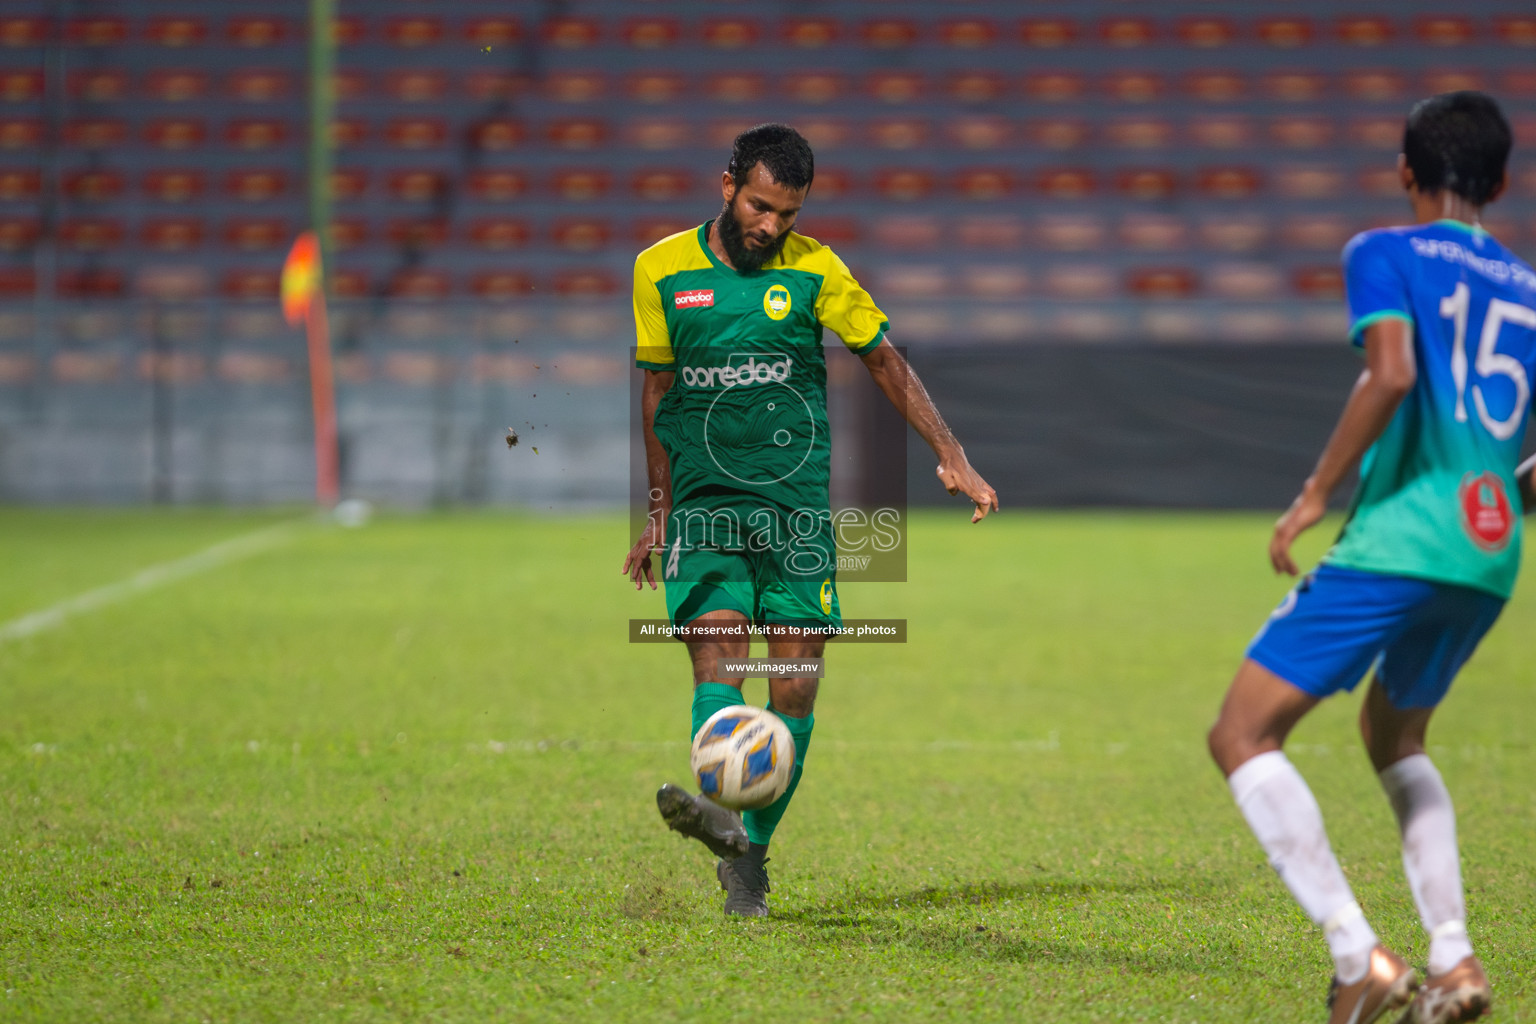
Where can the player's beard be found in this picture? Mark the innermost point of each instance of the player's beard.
(734, 240)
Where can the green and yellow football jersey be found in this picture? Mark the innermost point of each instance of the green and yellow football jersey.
(747, 412)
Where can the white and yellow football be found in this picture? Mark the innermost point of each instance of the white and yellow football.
(743, 757)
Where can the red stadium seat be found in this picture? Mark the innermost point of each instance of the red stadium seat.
(583, 283)
(1048, 33)
(416, 286)
(968, 33)
(1162, 282)
(418, 232)
(833, 183)
(93, 186)
(21, 185)
(1139, 133)
(1452, 81)
(80, 367)
(580, 185)
(256, 234)
(491, 86)
(489, 33)
(1323, 282)
(1381, 182)
(1228, 182)
(577, 134)
(649, 230)
(1230, 132)
(251, 285)
(1295, 86)
(984, 183)
(824, 133)
(417, 186)
(833, 231)
(924, 281)
(18, 233)
(731, 33)
(95, 283)
(501, 285)
(18, 33)
(1287, 33)
(651, 33)
(655, 86)
(413, 33)
(105, 85)
(255, 33)
(91, 234)
(1318, 231)
(1056, 133)
(1364, 31)
(27, 133)
(176, 133)
(20, 86)
(1245, 281)
(500, 186)
(1384, 133)
(976, 86)
(888, 33)
(1207, 33)
(1080, 281)
(980, 131)
(106, 31)
(1146, 183)
(734, 87)
(581, 235)
(15, 367)
(1516, 31)
(498, 234)
(420, 85)
(814, 87)
(1065, 182)
(1154, 232)
(350, 283)
(347, 233)
(255, 185)
(173, 186)
(1443, 30)
(348, 183)
(1134, 86)
(176, 32)
(348, 132)
(1127, 33)
(1524, 126)
(1519, 83)
(349, 31)
(995, 281)
(236, 367)
(416, 132)
(1319, 181)
(658, 133)
(898, 133)
(661, 185)
(572, 33)
(1301, 132)
(81, 133)
(992, 232)
(258, 85)
(904, 185)
(255, 134)
(1215, 86)
(1374, 86)
(810, 33)
(575, 86)
(173, 367)
(895, 86)
(351, 84)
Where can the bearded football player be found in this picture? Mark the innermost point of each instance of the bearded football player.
(729, 319)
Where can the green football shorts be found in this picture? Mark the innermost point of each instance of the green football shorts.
(770, 564)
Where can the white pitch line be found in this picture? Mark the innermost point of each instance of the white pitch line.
(222, 553)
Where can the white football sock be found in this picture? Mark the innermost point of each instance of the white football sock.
(1285, 818)
(1428, 823)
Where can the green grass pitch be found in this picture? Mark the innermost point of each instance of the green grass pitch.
(407, 772)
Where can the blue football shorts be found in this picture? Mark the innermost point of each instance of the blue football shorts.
(1337, 624)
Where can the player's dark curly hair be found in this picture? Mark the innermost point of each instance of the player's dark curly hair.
(1458, 141)
(780, 149)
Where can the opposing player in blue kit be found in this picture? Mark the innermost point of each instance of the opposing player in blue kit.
(1447, 319)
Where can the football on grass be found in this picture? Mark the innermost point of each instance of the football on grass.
(743, 757)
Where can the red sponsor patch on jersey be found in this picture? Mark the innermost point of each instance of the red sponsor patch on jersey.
(691, 300)
(1486, 513)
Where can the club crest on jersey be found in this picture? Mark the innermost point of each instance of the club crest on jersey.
(694, 299)
(776, 302)
(826, 596)
(1486, 513)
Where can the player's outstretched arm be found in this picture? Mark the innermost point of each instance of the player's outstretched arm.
(896, 378)
(658, 477)
(1389, 374)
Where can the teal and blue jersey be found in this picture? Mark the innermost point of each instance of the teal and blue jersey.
(1437, 498)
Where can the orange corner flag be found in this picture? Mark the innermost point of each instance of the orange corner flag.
(301, 278)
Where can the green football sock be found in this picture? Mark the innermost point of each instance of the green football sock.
(761, 823)
(709, 698)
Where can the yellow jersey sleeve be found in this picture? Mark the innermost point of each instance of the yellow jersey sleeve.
(653, 345)
(845, 307)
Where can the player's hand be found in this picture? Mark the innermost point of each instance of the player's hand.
(637, 563)
(1304, 513)
(957, 475)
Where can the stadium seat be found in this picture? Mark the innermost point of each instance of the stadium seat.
(348, 184)
(1134, 86)
(250, 284)
(416, 133)
(1139, 133)
(1516, 30)
(1311, 181)
(580, 185)
(93, 283)
(101, 31)
(176, 86)
(1245, 281)
(1080, 281)
(1227, 132)
(245, 367)
(898, 132)
(348, 132)
(888, 33)
(658, 133)
(1126, 33)
(258, 85)
(15, 367)
(417, 232)
(655, 86)
(904, 185)
(994, 281)
(413, 32)
(1443, 30)
(1364, 31)
(90, 234)
(1207, 33)
(256, 234)
(18, 85)
(489, 33)
(661, 185)
(104, 85)
(79, 133)
(834, 182)
(501, 285)
(255, 185)
(1301, 131)
(23, 133)
(1056, 133)
(176, 133)
(349, 30)
(1071, 232)
(895, 86)
(582, 283)
(18, 234)
(649, 230)
(1065, 182)
(576, 134)
(920, 281)
(1452, 81)
(1318, 231)
(255, 134)
(1228, 182)
(980, 131)
(347, 233)
(498, 234)
(581, 234)
(1382, 133)
(350, 283)
(256, 33)
(93, 186)
(824, 133)
(575, 86)
(351, 84)
(1287, 33)
(984, 183)
(1048, 33)
(1154, 232)
(23, 184)
(1295, 86)
(1381, 181)
(814, 87)
(417, 185)
(176, 32)
(420, 286)
(77, 367)
(1518, 83)
(498, 186)
(651, 33)
(1215, 86)
(908, 233)
(1321, 282)
(172, 234)
(1146, 183)
(419, 85)
(19, 33)
(730, 33)
(976, 86)
(572, 33)
(998, 232)
(1373, 86)
(733, 87)
(809, 33)
(179, 185)
(496, 86)
(829, 230)
(1161, 283)
(968, 33)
